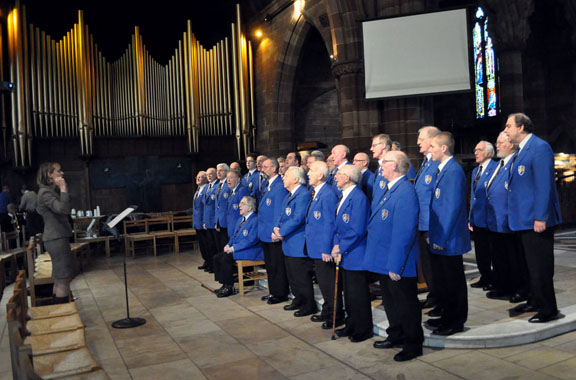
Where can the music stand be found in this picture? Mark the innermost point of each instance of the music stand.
(127, 322)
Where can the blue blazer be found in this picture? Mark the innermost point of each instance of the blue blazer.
(233, 207)
(424, 186)
(292, 220)
(392, 243)
(379, 187)
(367, 183)
(332, 177)
(245, 240)
(319, 231)
(448, 219)
(532, 188)
(198, 209)
(252, 182)
(411, 174)
(350, 233)
(210, 205)
(497, 201)
(221, 207)
(477, 216)
(269, 208)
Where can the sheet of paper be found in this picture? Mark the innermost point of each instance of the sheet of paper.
(121, 216)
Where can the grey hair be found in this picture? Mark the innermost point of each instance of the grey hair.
(402, 162)
(250, 202)
(223, 166)
(489, 148)
(300, 174)
(352, 172)
(318, 155)
(430, 130)
(273, 162)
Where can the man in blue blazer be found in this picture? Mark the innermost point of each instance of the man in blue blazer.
(483, 153)
(198, 215)
(349, 248)
(339, 156)
(251, 179)
(289, 229)
(510, 272)
(269, 208)
(392, 253)
(243, 245)
(533, 212)
(449, 237)
(222, 192)
(381, 144)
(424, 186)
(362, 161)
(237, 192)
(209, 219)
(319, 234)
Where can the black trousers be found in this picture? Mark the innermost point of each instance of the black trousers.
(326, 275)
(400, 299)
(451, 288)
(211, 249)
(276, 269)
(203, 236)
(539, 254)
(357, 303)
(509, 265)
(300, 271)
(221, 238)
(424, 249)
(483, 249)
(224, 268)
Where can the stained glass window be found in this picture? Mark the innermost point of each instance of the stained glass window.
(486, 84)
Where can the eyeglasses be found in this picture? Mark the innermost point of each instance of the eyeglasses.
(359, 161)
(384, 161)
(376, 144)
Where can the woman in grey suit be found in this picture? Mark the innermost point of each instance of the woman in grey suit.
(54, 206)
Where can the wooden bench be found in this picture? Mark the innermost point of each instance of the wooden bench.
(130, 238)
(11, 254)
(254, 275)
(182, 226)
(81, 236)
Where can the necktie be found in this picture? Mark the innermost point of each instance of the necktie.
(313, 193)
(196, 194)
(240, 226)
(477, 178)
(219, 188)
(424, 162)
(496, 174)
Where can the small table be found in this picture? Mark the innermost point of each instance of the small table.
(105, 239)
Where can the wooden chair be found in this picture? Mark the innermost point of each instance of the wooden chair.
(161, 228)
(254, 275)
(38, 272)
(182, 226)
(130, 238)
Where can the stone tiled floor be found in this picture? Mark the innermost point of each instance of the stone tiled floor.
(190, 334)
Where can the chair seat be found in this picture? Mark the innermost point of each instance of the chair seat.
(57, 342)
(97, 374)
(54, 325)
(50, 311)
(139, 237)
(67, 363)
(249, 276)
(186, 231)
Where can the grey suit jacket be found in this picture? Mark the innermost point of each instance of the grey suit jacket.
(55, 209)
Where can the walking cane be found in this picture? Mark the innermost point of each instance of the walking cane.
(335, 300)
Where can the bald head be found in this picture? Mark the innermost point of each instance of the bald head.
(361, 160)
(339, 154)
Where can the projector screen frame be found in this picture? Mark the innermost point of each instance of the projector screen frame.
(469, 13)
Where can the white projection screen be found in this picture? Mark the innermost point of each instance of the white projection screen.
(415, 55)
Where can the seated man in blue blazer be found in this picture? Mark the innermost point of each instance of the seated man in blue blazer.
(319, 238)
(243, 245)
(349, 247)
(533, 213)
(237, 192)
(392, 253)
(290, 230)
(449, 237)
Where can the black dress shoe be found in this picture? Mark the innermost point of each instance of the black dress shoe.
(517, 297)
(525, 308)
(303, 313)
(404, 356)
(203, 266)
(436, 312)
(274, 300)
(385, 344)
(266, 297)
(292, 306)
(447, 331)
(428, 304)
(542, 318)
(328, 324)
(358, 339)
(479, 284)
(488, 287)
(342, 332)
(497, 295)
(226, 292)
(434, 322)
(317, 318)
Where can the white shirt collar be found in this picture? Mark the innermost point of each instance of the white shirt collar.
(442, 164)
(250, 172)
(363, 170)
(390, 184)
(317, 188)
(270, 180)
(234, 189)
(524, 141)
(201, 188)
(345, 194)
(248, 215)
(342, 164)
(295, 189)
(508, 158)
(429, 156)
